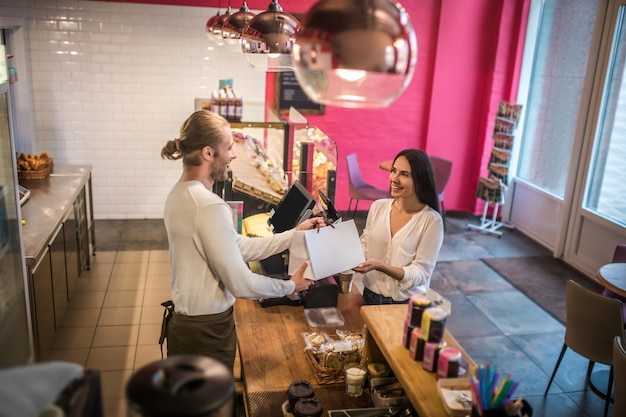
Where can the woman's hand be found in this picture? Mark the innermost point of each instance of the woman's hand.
(369, 265)
(312, 223)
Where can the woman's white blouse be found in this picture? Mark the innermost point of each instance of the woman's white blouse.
(415, 248)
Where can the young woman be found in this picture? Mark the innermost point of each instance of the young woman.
(403, 234)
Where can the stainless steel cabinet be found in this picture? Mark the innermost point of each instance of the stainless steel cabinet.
(42, 304)
(82, 230)
(57, 242)
(72, 261)
(58, 270)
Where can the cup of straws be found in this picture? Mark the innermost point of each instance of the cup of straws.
(490, 392)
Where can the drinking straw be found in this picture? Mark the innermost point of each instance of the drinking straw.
(483, 385)
(476, 394)
(510, 393)
(489, 391)
(501, 392)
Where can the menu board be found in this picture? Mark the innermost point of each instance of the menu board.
(288, 93)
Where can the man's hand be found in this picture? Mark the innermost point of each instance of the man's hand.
(298, 278)
(312, 223)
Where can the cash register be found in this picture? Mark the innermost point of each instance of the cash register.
(296, 206)
(24, 194)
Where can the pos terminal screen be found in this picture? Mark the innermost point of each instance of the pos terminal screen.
(291, 209)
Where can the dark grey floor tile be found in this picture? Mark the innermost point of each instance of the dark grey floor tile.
(108, 234)
(514, 313)
(468, 321)
(571, 375)
(457, 221)
(511, 244)
(149, 230)
(591, 403)
(461, 247)
(543, 348)
(500, 352)
(555, 405)
(468, 277)
(149, 245)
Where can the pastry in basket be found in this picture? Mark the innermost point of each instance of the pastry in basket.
(351, 356)
(332, 360)
(315, 339)
(32, 162)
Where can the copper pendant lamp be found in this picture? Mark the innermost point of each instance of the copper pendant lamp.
(268, 39)
(209, 26)
(233, 27)
(355, 53)
(216, 26)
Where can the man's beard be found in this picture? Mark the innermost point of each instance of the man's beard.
(220, 174)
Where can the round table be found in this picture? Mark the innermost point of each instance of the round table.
(386, 165)
(613, 277)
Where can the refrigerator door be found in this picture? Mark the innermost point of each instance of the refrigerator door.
(15, 330)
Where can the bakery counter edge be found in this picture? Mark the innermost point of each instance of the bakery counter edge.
(50, 201)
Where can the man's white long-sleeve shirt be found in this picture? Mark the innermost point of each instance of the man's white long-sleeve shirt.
(208, 257)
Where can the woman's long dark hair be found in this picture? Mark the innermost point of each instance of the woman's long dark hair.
(423, 176)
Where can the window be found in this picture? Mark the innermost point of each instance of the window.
(606, 186)
(556, 84)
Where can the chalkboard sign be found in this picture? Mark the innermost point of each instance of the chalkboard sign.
(288, 93)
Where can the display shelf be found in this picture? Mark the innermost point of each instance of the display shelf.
(491, 224)
(491, 189)
(314, 160)
(270, 153)
(248, 179)
(384, 343)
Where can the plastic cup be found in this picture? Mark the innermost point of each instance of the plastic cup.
(355, 376)
(345, 281)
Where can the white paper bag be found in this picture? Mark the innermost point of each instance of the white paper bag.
(327, 250)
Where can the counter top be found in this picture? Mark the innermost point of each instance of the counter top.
(50, 201)
(272, 354)
(271, 343)
(71, 170)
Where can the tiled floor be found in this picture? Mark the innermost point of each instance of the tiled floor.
(113, 319)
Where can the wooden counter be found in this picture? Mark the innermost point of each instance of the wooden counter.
(271, 344)
(384, 342)
(272, 355)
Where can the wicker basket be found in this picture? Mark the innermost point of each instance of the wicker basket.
(327, 375)
(36, 175)
(323, 375)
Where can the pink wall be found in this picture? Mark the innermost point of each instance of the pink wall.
(468, 60)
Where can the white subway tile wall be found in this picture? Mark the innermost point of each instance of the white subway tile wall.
(112, 82)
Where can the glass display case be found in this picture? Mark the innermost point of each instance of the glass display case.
(272, 153)
(313, 158)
